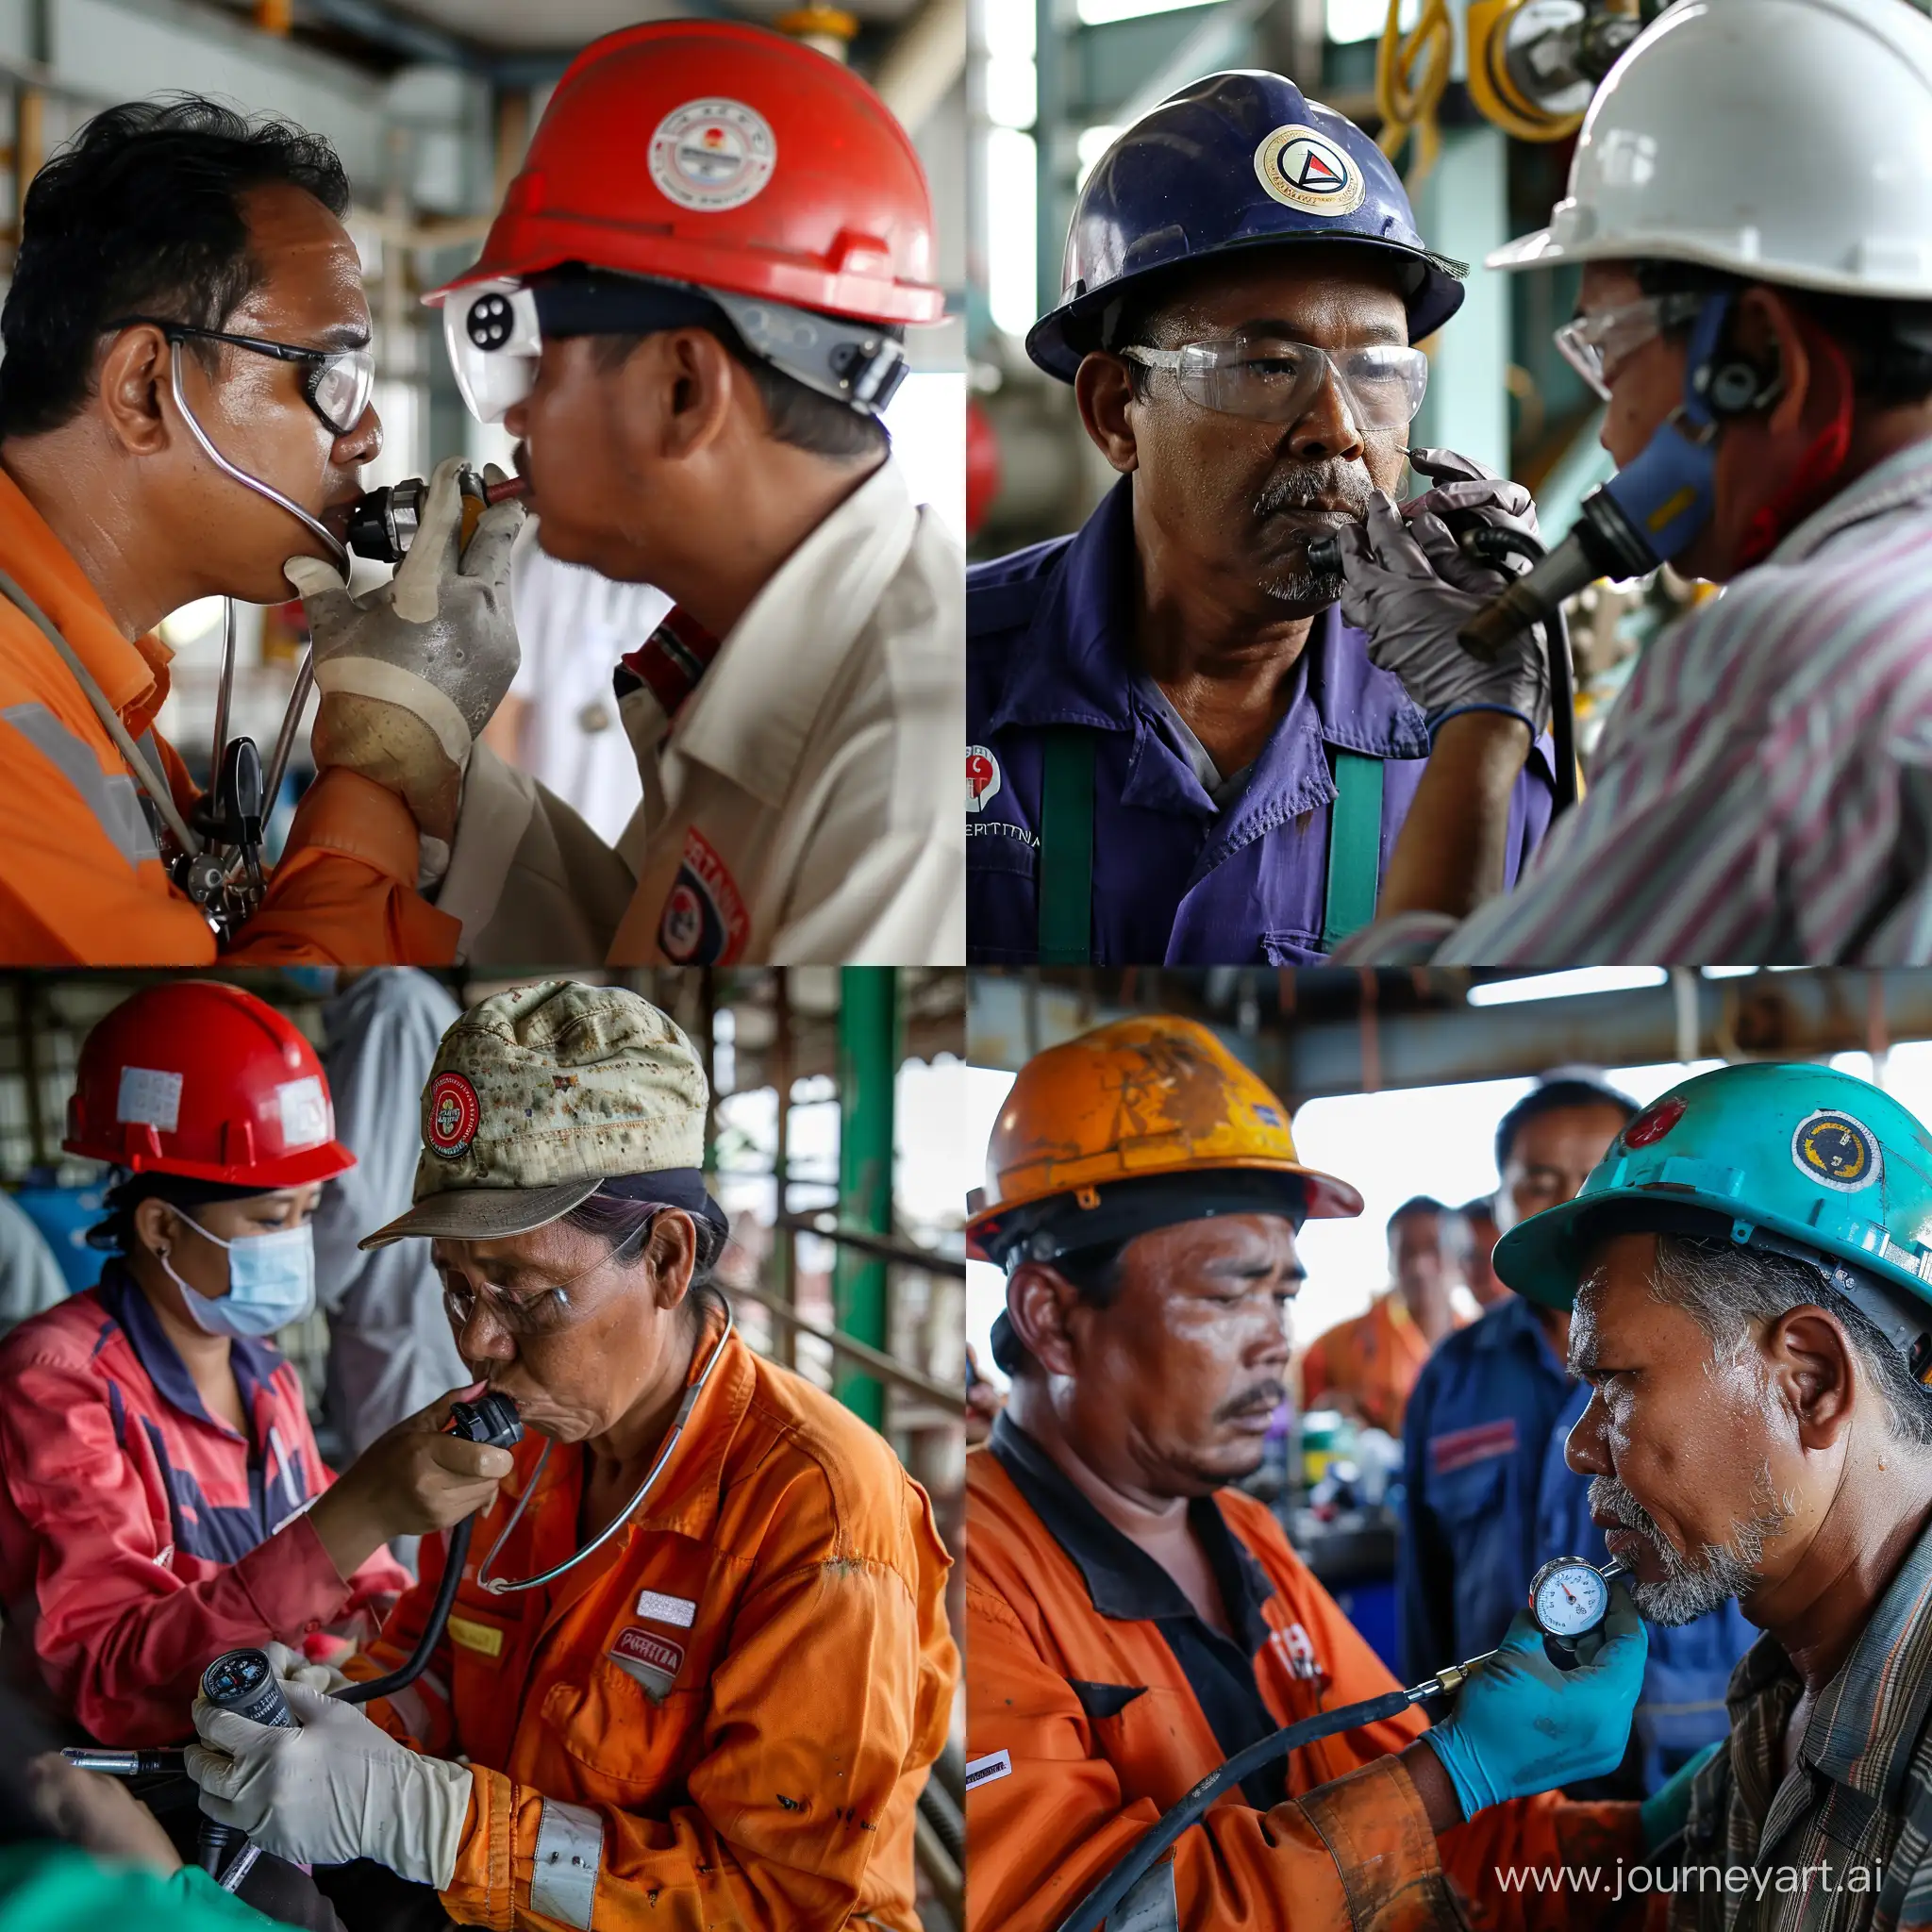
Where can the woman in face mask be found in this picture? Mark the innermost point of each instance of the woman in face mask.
(161, 1498)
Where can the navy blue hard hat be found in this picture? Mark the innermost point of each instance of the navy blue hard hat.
(1237, 161)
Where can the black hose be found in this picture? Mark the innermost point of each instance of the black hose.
(432, 1632)
(1491, 543)
(936, 1806)
(1093, 1910)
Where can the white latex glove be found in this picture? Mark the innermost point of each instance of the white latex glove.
(1394, 590)
(292, 1667)
(337, 1789)
(410, 674)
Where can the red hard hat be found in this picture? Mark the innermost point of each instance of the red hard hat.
(201, 1079)
(719, 154)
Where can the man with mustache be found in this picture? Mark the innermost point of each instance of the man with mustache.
(1176, 749)
(1134, 1621)
(1748, 1272)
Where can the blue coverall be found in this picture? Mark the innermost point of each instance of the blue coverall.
(1176, 877)
(1488, 1500)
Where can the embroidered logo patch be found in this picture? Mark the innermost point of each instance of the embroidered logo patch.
(709, 155)
(1654, 1122)
(984, 1770)
(704, 921)
(451, 1116)
(653, 1661)
(1833, 1148)
(1301, 168)
(982, 777)
(1459, 1448)
(1297, 1651)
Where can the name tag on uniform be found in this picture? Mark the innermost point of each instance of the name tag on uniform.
(983, 1770)
(653, 1661)
(679, 1611)
(484, 1638)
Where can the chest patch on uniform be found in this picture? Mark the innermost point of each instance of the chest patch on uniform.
(1297, 1651)
(483, 1638)
(984, 1770)
(680, 1610)
(982, 777)
(653, 1661)
(704, 921)
(1462, 1447)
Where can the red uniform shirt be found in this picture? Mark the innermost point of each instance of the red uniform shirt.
(140, 1537)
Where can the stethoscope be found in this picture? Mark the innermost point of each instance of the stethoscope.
(498, 1586)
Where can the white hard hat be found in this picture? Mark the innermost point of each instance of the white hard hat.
(1784, 140)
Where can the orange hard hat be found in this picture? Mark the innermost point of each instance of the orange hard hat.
(1143, 1097)
(723, 155)
(197, 1078)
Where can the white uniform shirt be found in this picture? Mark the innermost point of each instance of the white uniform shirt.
(802, 806)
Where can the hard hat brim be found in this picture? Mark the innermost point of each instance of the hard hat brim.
(319, 1163)
(483, 1214)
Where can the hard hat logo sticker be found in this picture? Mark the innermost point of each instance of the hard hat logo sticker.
(982, 777)
(1838, 1151)
(710, 156)
(1301, 168)
(452, 1117)
(1654, 1122)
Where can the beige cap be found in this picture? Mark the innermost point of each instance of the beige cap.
(540, 1094)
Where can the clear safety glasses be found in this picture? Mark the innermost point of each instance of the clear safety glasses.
(335, 383)
(494, 342)
(1594, 344)
(1271, 380)
(539, 1311)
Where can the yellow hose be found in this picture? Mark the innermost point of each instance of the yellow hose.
(1412, 71)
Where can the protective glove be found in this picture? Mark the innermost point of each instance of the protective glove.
(337, 1789)
(292, 1667)
(1463, 484)
(1520, 1725)
(1667, 1811)
(411, 672)
(1395, 588)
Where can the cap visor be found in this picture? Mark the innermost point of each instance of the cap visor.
(484, 1215)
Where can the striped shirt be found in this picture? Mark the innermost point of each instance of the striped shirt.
(1846, 1840)
(1763, 790)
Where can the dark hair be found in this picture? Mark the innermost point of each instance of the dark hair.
(1555, 1096)
(1095, 1275)
(115, 1231)
(1889, 344)
(1415, 1208)
(623, 1225)
(140, 214)
(818, 424)
(1482, 1208)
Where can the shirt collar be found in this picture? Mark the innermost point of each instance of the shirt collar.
(1124, 1582)
(1073, 669)
(1903, 479)
(1866, 1724)
(1512, 1324)
(752, 715)
(254, 1362)
(132, 677)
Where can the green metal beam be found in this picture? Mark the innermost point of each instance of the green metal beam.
(868, 1067)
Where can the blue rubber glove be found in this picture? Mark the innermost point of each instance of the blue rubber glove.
(1521, 1724)
(1668, 1809)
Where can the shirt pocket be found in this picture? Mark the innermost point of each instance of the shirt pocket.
(1001, 899)
(634, 1744)
(1292, 949)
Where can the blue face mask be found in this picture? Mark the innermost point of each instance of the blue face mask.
(271, 1282)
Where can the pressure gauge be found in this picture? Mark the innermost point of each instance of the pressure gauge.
(1568, 1597)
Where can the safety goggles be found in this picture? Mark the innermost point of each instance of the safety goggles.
(1269, 380)
(335, 383)
(537, 1311)
(1594, 344)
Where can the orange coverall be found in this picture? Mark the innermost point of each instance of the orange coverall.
(727, 1714)
(1082, 1729)
(1375, 1358)
(80, 883)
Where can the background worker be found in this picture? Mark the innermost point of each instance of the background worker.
(184, 283)
(1366, 1367)
(1746, 1274)
(1246, 286)
(1132, 1620)
(729, 1714)
(1759, 791)
(692, 339)
(1478, 1218)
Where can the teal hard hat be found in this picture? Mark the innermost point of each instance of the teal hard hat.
(1800, 1160)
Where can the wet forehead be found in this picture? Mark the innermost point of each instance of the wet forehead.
(311, 277)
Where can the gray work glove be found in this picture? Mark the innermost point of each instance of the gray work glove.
(410, 674)
(1460, 483)
(1398, 587)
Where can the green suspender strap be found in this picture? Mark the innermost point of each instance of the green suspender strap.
(1355, 847)
(1066, 849)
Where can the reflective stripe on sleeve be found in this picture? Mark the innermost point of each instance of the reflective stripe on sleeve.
(570, 1851)
(1151, 1907)
(112, 797)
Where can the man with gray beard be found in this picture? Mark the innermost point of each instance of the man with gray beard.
(1749, 1276)
(1176, 749)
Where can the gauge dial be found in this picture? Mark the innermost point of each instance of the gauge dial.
(1568, 1598)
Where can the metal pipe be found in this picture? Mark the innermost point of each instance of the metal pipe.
(284, 738)
(904, 1252)
(876, 1360)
